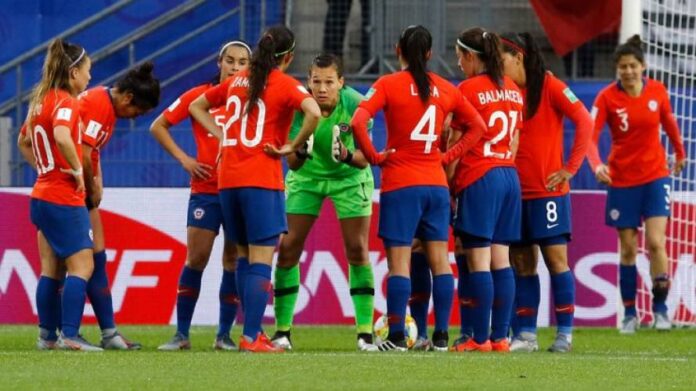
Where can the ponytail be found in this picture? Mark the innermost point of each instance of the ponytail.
(415, 43)
(485, 45)
(274, 44)
(60, 58)
(534, 67)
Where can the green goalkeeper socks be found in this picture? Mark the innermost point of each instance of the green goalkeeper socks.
(362, 291)
(287, 286)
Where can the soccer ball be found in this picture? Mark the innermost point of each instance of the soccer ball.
(381, 330)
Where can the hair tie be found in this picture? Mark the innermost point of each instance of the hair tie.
(237, 43)
(78, 59)
(485, 34)
(469, 48)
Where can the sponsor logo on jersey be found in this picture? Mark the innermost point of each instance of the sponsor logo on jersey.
(64, 114)
(93, 128)
(570, 95)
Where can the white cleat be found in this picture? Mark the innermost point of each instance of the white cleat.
(422, 345)
(366, 346)
(282, 341)
(77, 344)
(662, 322)
(525, 342)
(629, 325)
(389, 346)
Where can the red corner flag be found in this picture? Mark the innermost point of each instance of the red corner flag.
(569, 24)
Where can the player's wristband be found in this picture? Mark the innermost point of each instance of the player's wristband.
(348, 158)
(302, 154)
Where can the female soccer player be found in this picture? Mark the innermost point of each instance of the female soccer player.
(637, 175)
(204, 212)
(347, 181)
(487, 176)
(260, 103)
(53, 131)
(545, 192)
(415, 199)
(134, 94)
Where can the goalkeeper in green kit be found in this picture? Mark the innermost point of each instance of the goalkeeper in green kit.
(329, 167)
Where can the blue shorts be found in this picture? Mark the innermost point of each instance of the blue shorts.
(253, 215)
(489, 210)
(66, 228)
(414, 212)
(204, 212)
(546, 221)
(626, 206)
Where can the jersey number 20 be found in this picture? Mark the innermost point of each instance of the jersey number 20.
(234, 106)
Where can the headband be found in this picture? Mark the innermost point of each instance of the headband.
(237, 43)
(463, 45)
(78, 59)
(514, 46)
(292, 47)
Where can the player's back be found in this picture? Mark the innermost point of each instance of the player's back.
(501, 107)
(414, 129)
(58, 108)
(244, 162)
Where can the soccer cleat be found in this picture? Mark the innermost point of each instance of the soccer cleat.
(260, 345)
(464, 338)
(77, 343)
(46, 344)
(562, 344)
(365, 343)
(471, 346)
(116, 341)
(178, 342)
(662, 322)
(224, 343)
(524, 342)
(629, 325)
(281, 339)
(422, 345)
(390, 346)
(440, 341)
(502, 346)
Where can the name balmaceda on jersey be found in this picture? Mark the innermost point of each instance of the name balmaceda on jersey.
(501, 95)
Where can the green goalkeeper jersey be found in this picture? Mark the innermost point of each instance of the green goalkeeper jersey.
(321, 165)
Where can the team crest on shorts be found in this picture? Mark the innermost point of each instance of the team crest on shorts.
(198, 213)
(344, 127)
(652, 105)
(614, 214)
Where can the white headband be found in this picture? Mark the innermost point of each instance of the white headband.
(463, 45)
(78, 59)
(238, 43)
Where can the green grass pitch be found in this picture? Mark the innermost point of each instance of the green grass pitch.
(325, 359)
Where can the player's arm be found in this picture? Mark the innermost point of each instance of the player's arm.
(312, 113)
(599, 116)
(94, 192)
(199, 110)
(669, 124)
(25, 148)
(160, 131)
(66, 148)
(465, 117)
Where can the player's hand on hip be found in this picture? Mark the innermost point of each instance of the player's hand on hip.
(678, 166)
(602, 174)
(195, 168)
(384, 155)
(557, 179)
(278, 152)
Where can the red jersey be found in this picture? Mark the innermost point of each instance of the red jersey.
(207, 146)
(414, 128)
(58, 108)
(243, 162)
(98, 117)
(637, 156)
(501, 110)
(540, 151)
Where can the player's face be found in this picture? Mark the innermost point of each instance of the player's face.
(513, 66)
(325, 85)
(125, 109)
(465, 61)
(629, 70)
(234, 59)
(80, 76)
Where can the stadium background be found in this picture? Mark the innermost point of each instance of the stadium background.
(145, 195)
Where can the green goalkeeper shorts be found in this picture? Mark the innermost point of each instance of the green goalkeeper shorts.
(351, 196)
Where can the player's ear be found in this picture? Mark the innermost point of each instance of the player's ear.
(126, 98)
(341, 81)
(427, 55)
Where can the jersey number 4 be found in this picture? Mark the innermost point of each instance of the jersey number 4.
(427, 123)
(234, 106)
(506, 126)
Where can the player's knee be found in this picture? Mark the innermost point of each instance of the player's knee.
(197, 260)
(356, 253)
(655, 245)
(628, 254)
